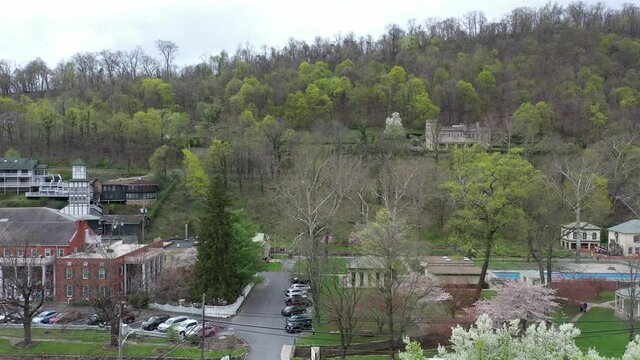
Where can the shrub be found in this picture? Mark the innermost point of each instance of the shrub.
(139, 300)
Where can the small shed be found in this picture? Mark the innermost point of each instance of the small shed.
(531, 277)
(625, 299)
(447, 270)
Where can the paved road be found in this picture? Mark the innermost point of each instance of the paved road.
(260, 322)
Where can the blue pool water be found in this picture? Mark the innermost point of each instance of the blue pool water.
(514, 275)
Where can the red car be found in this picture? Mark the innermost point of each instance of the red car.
(210, 330)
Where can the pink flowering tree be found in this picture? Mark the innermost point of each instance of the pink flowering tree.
(517, 300)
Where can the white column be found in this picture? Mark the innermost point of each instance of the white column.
(144, 277)
(2, 281)
(125, 277)
(44, 278)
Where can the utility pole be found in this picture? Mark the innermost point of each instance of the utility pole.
(143, 211)
(202, 344)
(120, 333)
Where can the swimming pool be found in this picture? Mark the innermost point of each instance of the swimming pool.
(515, 275)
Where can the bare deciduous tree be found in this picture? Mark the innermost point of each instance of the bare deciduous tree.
(312, 192)
(23, 285)
(168, 49)
(577, 183)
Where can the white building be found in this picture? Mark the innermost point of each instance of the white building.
(443, 137)
(626, 236)
(23, 175)
(589, 235)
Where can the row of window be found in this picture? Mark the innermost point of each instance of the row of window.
(34, 252)
(86, 273)
(86, 291)
(594, 236)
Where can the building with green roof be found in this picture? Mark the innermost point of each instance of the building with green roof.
(21, 175)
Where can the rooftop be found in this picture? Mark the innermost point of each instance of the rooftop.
(35, 226)
(130, 181)
(583, 226)
(106, 251)
(366, 262)
(454, 270)
(17, 164)
(630, 227)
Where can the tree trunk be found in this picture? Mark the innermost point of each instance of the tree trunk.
(26, 325)
(549, 262)
(579, 235)
(115, 331)
(483, 273)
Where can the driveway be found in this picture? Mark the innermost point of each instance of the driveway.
(259, 321)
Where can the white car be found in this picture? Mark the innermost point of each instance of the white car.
(186, 327)
(174, 321)
(43, 316)
(299, 287)
(295, 292)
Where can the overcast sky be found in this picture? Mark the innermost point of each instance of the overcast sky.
(55, 30)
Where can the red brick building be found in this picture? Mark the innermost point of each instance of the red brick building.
(66, 256)
(116, 268)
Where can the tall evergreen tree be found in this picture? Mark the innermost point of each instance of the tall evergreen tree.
(227, 258)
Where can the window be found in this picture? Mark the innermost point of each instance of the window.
(85, 292)
(69, 273)
(69, 290)
(361, 279)
(630, 250)
(7, 252)
(594, 236)
(34, 252)
(636, 238)
(60, 252)
(102, 273)
(20, 252)
(103, 290)
(575, 235)
(47, 252)
(85, 273)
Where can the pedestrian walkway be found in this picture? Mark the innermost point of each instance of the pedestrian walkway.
(606, 305)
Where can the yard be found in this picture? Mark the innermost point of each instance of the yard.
(92, 343)
(603, 331)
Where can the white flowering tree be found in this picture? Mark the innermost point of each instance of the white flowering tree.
(538, 342)
(394, 128)
(517, 300)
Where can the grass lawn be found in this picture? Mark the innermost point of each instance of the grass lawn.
(603, 331)
(83, 335)
(272, 266)
(564, 314)
(488, 294)
(605, 296)
(364, 357)
(92, 343)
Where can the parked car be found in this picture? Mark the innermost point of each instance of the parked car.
(43, 317)
(11, 316)
(171, 322)
(298, 301)
(65, 317)
(128, 317)
(294, 327)
(152, 323)
(304, 287)
(301, 318)
(96, 319)
(297, 280)
(210, 330)
(186, 327)
(294, 292)
(293, 310)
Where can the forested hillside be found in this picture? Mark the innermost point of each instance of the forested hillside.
(551, 81)
(582, 61)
